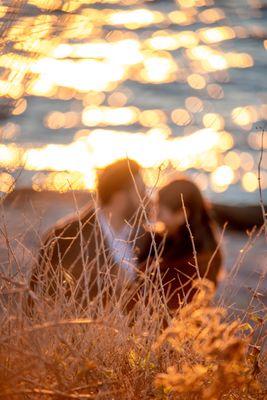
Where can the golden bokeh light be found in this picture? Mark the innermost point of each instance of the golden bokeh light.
(239, 60)
(20, 107)
(216, 62)
(201, 180)
(258, 140)
(183, 18)
(135, 19)
(93, 98)
(55, 120)
(164, 40)
(181, 117)
(47, 4)
(94, 116)
(215, 91)
(215, 35)
(122, 76)
(159, 68)
(10, 156)
(117, 99)
(84, 76)
(9, 131)
(60, 181)
(6, 182)
(250, 182)
(187, 3)
(196, 81)
(263, 111)
(214, 121)
(59, 120)
(87, 153)
(194, 104)
(246, 161)
(151, 118)
(211, 15)
(221, 178)
(244, 115)
(226, 141)
(232, 160)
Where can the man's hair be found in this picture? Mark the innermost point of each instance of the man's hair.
(115, 177)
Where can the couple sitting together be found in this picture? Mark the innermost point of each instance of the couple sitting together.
(106, 249)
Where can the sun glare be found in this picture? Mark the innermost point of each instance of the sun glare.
(100, 59)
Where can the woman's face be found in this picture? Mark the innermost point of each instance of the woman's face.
(171, 219)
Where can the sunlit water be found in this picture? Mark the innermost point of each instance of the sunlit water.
(177, 85)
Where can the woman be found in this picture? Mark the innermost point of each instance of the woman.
(182, 210)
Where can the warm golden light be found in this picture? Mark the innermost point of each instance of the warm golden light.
(20, 107)
(46, 4)
(232, 159)
(6, 182)
(84, 75)
(9, 131)
(194, 104)
(196, 81)
(61, 181)
(10, 156)
(221, 178)
(97, 148)
(187, 3)
(181, 117)
(250, 182)
(118, 78)
(211, 15)
(226, 141)
(244, 115)
(59, 120)
(215, 35)
(215, 91)
(159, 69)
(246, 161)
(93, 116)
(164, 40)
(150, 118)
(134, 19)
(215, 62)
(214, 121)
(186, 17)
(117, 99)
(240, 60)
(257, 140)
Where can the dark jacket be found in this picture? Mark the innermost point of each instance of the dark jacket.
(75, 259)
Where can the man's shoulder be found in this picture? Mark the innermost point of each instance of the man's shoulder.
(83, 220)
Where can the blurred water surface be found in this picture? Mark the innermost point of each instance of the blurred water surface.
(176, 85)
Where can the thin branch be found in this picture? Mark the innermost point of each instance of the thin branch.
(260, 188)
(191, 237)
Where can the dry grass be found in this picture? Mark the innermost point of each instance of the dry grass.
(63, 352)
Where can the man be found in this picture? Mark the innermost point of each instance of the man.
(94, 256)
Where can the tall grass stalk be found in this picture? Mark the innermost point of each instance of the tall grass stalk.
(64, 351)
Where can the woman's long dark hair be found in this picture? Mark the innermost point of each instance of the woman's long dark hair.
(178, 265)
(200, 221)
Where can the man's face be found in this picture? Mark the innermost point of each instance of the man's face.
(134, 196)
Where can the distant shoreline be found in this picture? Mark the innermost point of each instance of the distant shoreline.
(238, 217)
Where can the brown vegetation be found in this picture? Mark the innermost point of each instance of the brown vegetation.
(64, 352)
